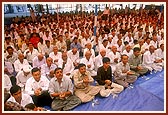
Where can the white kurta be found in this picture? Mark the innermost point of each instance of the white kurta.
(29, 56)
(21, 78)
(91, 50)
(148, 61)
(89, 62)
(73, 57)
(113, 56)
(128, 53)
(55, 57)
(98, 62)
(37, 62)
(19, 66)
(7, 83)
(68, 68)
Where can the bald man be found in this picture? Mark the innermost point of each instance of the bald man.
(39, 60)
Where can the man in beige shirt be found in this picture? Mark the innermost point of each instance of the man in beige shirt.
(123, 75)
(82, 80)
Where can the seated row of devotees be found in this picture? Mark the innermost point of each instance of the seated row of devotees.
(65, 93)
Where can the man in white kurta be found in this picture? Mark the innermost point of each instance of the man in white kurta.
(48, 68)
(159, 53)
(89, 62)
(7, 83)
(19, 97)
(98, 59)
(10, 55)
(8, 68)
(23, 76)
(39, 60)
(30, 53)
(114, 57)
(89, 48)
(73, 55)
(48, 48)
(55, 55)
(66, 64)
(128, 51)
(150, 61)
(20, 63)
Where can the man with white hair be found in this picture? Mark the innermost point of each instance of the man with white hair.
(20, 63)
(39, 60)
(98, 59)
(48, 68)
(89, 48)
(128, 51)
(55, 55)
(89, 62)
(73, 55)
(66, 64)
(150, 60)
(114, 57)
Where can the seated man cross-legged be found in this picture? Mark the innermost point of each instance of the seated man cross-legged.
(104, 77)
(61, 90)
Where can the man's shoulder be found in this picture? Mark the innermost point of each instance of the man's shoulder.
(76, 72)
(30, 80)
(100, 68)
(66, 79)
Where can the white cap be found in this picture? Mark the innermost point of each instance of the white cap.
(27, 68)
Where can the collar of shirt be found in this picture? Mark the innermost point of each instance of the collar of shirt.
(34, 81)
(134, 56)
(123, 64)
(62, 80)
(57, 79)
